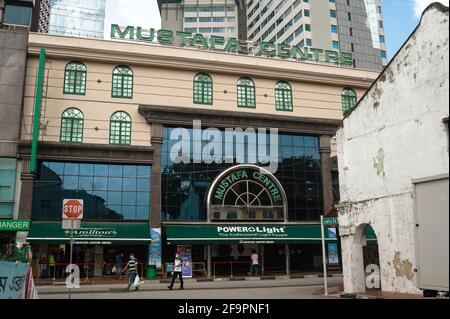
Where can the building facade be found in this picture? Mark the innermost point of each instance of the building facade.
(406, 201)
(114, 115)
(219, 17)
(350, 25)
(79, 18)
(15, 18)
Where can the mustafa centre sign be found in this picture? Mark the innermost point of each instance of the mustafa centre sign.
(219, 43)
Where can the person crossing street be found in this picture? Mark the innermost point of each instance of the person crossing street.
(132, 271)
(177, 271)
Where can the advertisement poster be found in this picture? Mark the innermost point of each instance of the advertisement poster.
(186, 256)
(331, 232)
(333, 257)
(154, 257)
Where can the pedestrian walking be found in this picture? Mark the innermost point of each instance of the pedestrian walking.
(52, 264)
(132, 271)
(119, 265)
(177, 271)
(254, 270)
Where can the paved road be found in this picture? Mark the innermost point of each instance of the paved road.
(306, 288)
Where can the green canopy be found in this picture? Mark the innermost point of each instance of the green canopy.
(90, 233)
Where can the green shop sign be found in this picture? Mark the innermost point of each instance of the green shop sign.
(15, 224)
(91, 233)
(219, 43)
(243, 233)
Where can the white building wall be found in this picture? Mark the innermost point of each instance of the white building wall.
(395, 135)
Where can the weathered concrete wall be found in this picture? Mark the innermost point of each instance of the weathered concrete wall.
(395, 135)
(13, 45)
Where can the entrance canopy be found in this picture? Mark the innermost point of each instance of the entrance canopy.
(244, 234)
(90, 233)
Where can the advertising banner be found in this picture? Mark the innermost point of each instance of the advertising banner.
(333, 257)
(154, 257)
(12, 280)
(186, 256)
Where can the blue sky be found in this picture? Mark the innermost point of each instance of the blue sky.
(400, 17)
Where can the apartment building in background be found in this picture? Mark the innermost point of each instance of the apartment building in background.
(218, 17)
(349, 25)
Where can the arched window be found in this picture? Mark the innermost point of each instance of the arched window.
(120, 128)
(122, 82)
(349, 99)
(283, 96)
(72, 122)
(75, 78)
(203, 89)
(246, 93)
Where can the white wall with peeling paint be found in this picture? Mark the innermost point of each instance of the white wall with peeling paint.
(395, 135)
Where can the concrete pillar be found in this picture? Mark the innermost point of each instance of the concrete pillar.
(209, 258)
(353, 264)
(288, 260)
(325, 162)
(26, 190)
(155, 197)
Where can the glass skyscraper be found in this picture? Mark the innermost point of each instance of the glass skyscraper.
(80, 18)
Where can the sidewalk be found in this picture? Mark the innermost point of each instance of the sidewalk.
(193, 286)
(387, 295)
(124, 280)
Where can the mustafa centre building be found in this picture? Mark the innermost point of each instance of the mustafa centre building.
(177, 141)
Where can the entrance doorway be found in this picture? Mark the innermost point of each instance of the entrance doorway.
(371, 260)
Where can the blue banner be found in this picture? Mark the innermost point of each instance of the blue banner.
(186, 256)
(154, 257)
(12, 280)
(333, 254)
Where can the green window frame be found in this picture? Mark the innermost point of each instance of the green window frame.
(203, 89)
(122, 82)
(349, 99)
(120, 128)
(283, 96)
(246, 93)
(75, 78)
(72, 124)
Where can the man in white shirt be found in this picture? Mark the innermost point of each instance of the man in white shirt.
(255, 263)
(177, 271)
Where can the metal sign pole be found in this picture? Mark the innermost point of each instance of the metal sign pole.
(324, 261)
(71, 247)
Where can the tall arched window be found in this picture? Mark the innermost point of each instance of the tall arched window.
(120, 128)
(349, 99)
(246, 93)
(122, 82)
(72, 122)
(203, 89)
(283, 96)
(75, 78)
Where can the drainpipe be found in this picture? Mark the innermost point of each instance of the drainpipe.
(37, 112)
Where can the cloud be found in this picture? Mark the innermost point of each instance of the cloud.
(143, 13)
(420, 5)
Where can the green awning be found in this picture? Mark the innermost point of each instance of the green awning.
(240, 233)
(90, 233)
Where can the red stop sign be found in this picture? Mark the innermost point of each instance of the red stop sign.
(73, 208)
